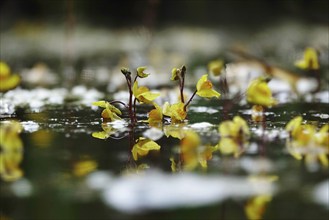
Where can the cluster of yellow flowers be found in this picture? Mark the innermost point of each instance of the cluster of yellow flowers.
(11, 151)
(177, 111)
(308, 142)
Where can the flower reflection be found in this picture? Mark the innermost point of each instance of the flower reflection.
(234, 136)
(189, 149)
(192, 153)
(11, 151)
(141, 168)
(143, 146)
(308, 143)
(256, 206)
(84, 167)
(108, 130)
(174, 130)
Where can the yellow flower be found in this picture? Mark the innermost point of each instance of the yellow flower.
(155, 116)
(143, 94)
(176, 112)
(204, 88)
(143, 146)
(140, 72)
(175, 74)
(259, 93)
(11, 151)
(215, 67)
(110, 112)
(8, 81)
(310, 60)
(256, 206)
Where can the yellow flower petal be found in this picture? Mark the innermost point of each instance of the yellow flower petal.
(100, 104)
(259, 93)
(174, 74)
(215, 67)
(174, 130)
(4, 70)
(228, 129)
(204, 88)
(255, 207)
(228, 146)
(142, 94)
(9, 82)
(140, 72)
(294, 126)
(310, 60)
(155, 116)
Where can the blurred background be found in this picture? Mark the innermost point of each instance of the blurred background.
(84, 41)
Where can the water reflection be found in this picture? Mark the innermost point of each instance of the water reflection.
(11, 151)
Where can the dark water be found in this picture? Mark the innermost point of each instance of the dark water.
(59, 138)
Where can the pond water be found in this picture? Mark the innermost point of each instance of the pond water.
(69, 174)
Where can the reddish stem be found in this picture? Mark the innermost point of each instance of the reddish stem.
(188, 102)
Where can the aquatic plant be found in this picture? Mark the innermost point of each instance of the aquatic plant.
(309, 61)
(141, 94)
